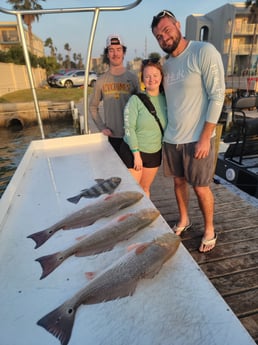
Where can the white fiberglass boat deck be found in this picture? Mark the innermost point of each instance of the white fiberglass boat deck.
(179, 306)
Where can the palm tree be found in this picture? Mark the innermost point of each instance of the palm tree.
(80, 59)
(28, 19)
(49, 43)
(75, 58)
(67, 62)
(253, 6)
(67, 57)
(60, 59)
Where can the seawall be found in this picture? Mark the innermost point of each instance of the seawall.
(24, 114)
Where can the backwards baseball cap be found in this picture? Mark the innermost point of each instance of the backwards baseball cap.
(114, 40)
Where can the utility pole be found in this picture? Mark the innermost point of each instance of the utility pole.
(145, 48)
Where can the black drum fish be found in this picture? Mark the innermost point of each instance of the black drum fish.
(117, 281)
(89, 214)
(102, 240)
(102, 187)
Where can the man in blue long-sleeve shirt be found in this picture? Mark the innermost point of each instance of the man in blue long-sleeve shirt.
(194, 87)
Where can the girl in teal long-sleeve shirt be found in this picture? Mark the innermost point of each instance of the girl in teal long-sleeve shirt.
(143, 138)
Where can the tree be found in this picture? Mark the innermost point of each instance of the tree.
(15, 55)
(67, 62)
(75, 59)
(60, 59)
(253, 6)
(49, 43)
(28, 19)
(80, 60)
(68, 57)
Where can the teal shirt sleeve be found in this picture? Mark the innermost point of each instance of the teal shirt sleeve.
(142, 131)
(130, 121)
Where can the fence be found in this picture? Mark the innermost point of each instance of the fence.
(15, 77)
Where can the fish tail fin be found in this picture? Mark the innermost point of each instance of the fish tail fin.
(50, 262)
(59, 322)
(41, 236)
(75, 199)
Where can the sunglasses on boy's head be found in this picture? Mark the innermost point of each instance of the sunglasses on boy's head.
(147, 61)
(164, 13)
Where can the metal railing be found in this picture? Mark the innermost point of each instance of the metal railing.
(96, 11)
(244, 29)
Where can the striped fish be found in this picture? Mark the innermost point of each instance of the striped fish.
(101, 187)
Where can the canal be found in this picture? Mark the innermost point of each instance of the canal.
(14, 142)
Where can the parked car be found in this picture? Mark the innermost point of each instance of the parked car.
(75, 78)
(51, 78)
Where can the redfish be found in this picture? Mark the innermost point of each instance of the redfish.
(102, 187)
(117, 281)
(89, 214)
(102, 240)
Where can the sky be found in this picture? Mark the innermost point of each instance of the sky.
(133, 25)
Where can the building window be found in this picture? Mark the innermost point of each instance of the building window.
(204, 33)
(9, 36)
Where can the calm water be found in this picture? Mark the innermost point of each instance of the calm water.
(13, 145)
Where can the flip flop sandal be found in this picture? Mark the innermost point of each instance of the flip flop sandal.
(211, 242)
(181, 228)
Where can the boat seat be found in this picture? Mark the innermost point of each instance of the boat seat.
(244, 137)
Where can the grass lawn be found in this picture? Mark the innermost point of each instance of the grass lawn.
(48, 94)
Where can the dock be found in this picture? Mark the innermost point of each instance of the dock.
(232, 267)
(179, 305)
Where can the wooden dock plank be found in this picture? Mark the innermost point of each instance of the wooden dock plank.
(244, 303)
(237, 282)
(250, 323)
(232, 266)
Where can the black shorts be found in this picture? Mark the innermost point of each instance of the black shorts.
(149, 160)
(116, 143)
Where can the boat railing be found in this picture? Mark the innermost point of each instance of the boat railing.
(96, 11)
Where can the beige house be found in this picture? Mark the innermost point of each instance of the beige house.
(231, 30)
(10, 36)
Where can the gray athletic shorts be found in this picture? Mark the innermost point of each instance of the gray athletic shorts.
(179, 161)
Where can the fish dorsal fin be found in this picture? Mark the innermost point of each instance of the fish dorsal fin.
(99, 180)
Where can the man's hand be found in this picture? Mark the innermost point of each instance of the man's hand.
(107, 132)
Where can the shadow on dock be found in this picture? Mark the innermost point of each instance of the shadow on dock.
(232, 267)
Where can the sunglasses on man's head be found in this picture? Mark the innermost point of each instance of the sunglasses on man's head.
(165, 13)
(148, 61)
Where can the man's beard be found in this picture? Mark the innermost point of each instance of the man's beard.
(170, 49)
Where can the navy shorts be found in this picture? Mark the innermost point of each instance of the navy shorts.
(179, 161)
(149, 160)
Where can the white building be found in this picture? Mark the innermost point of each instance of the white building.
(233, 31)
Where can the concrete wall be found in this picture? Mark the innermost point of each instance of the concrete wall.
(24, 114)
(15, 77)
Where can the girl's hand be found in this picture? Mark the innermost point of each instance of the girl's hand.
(137, 161)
